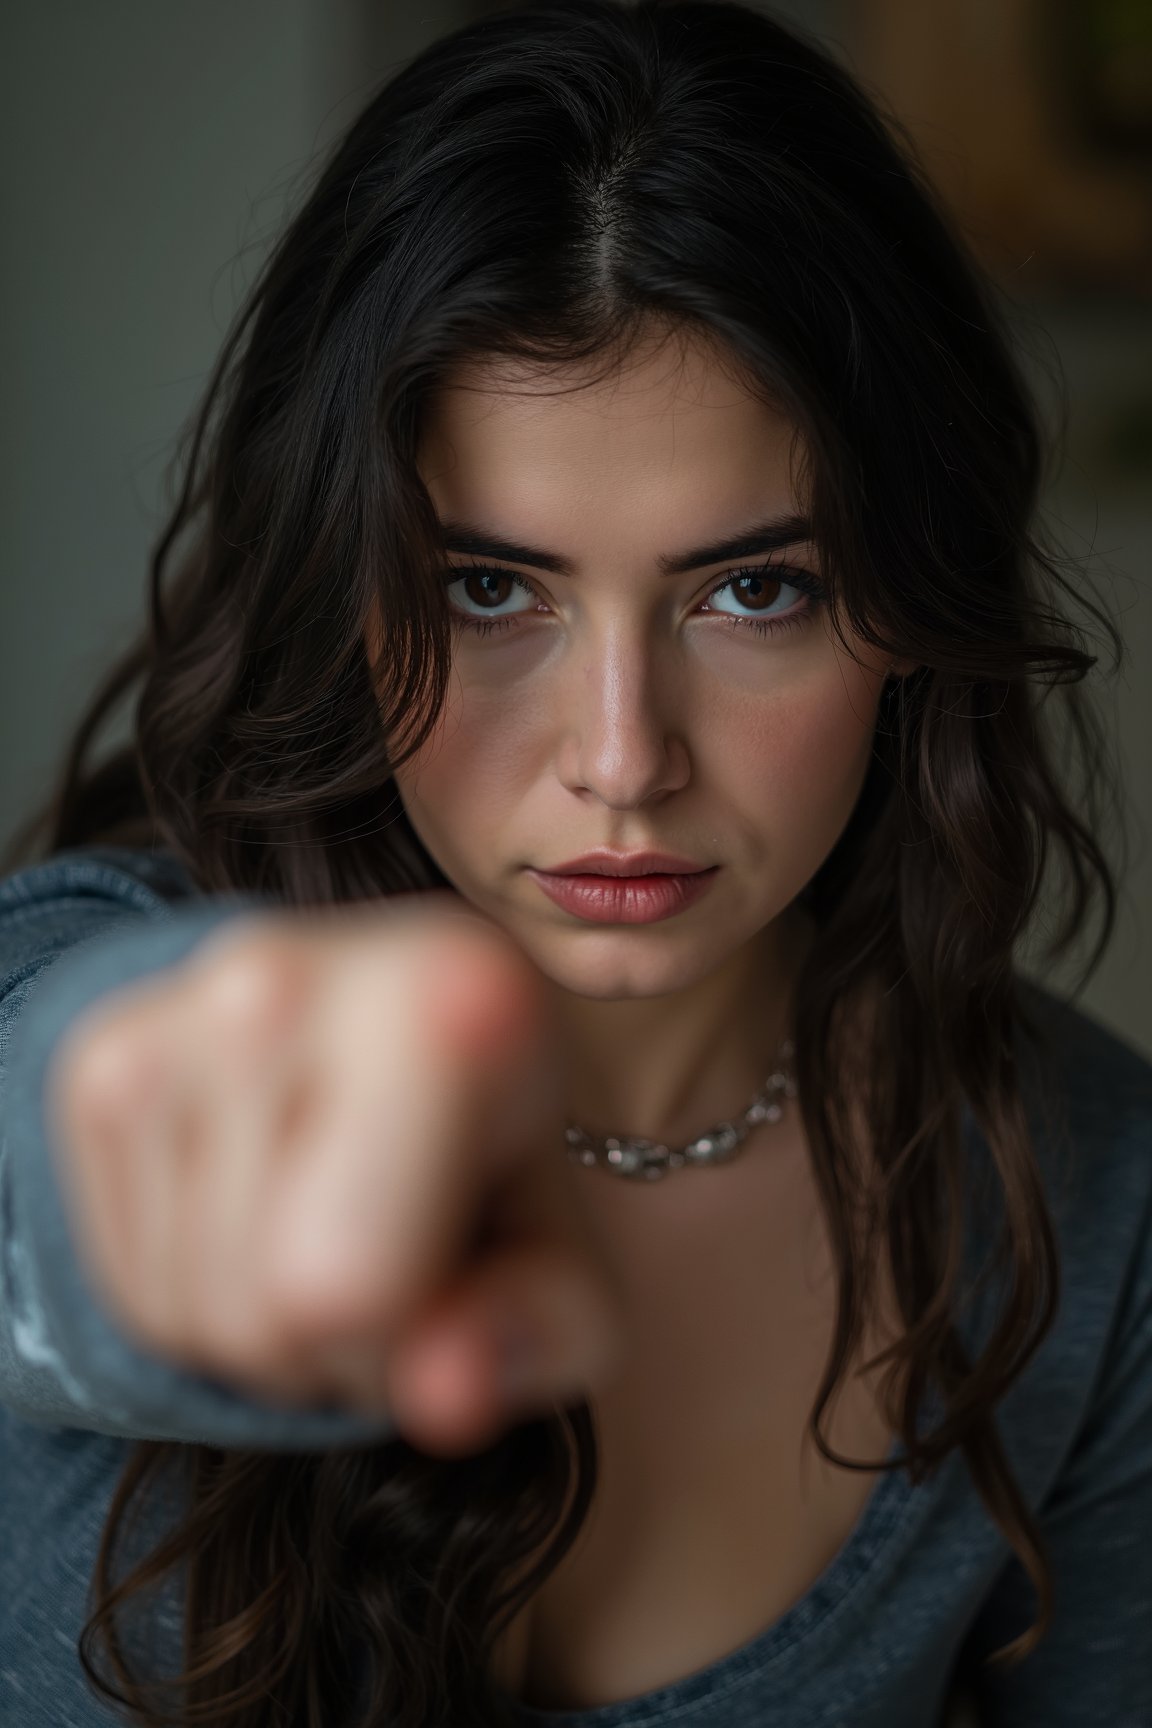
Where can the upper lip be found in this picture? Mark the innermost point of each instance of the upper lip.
(607, 863)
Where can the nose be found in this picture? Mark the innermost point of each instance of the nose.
(624, 712)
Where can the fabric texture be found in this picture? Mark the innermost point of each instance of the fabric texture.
(894, 1626)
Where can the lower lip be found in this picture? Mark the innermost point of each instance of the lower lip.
(625, 899)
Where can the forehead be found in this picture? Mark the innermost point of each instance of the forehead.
(672, 426)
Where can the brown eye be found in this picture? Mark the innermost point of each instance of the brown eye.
(756, 590)
(480, 590)
(760, 588)
(487, 587)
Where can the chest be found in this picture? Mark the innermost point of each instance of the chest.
(714, 1512)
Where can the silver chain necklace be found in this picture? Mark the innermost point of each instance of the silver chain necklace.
(648, 1160)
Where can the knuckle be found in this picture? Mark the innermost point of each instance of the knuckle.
(107, 1066)
(238, 978)
(326, 1301)
(243, 990)
(484, 991)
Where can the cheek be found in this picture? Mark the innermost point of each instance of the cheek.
(804, 756)
(470, 773)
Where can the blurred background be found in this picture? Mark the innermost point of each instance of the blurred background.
(151, 150)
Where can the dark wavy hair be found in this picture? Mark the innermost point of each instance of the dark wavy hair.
(551, 184)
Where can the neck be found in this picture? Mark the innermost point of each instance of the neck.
(668, 1067)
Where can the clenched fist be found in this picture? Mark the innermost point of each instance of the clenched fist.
(324, 1157)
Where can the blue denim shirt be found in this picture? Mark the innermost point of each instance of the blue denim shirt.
(924, 1585)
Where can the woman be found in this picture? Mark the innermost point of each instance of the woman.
(618, 456)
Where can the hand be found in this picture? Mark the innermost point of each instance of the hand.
(324, 1157)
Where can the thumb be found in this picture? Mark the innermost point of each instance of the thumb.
(533, 1325)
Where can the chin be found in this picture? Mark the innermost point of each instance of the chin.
(606, 971)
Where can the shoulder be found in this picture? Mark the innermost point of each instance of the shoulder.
(132, 874)
(1088, 1093)
(77, 896)
(1097, 1061)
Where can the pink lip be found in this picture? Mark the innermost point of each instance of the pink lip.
(604, 862)
(603, 899)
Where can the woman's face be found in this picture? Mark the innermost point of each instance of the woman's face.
(631, 702)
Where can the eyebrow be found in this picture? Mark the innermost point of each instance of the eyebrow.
(767, 536)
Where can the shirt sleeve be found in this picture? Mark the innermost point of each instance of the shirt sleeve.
(1095, 1665)
(72, 928)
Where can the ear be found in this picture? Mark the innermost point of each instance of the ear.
(903, 668)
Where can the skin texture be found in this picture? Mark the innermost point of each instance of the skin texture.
(625, 708)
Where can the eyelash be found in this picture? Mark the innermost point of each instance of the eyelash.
(797, 578)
